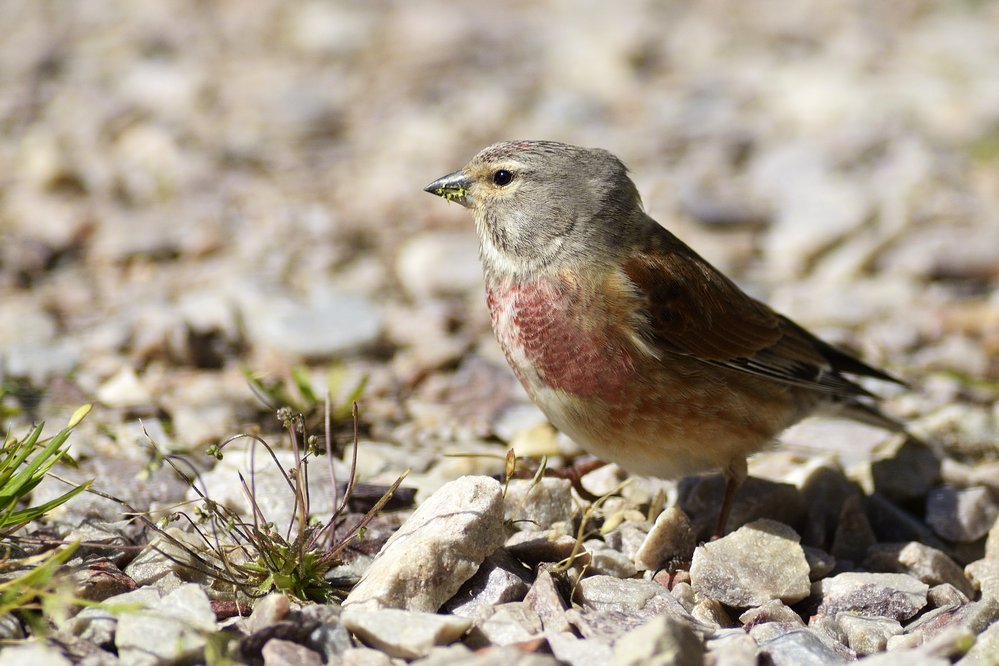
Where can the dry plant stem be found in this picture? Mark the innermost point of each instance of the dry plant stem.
(328, 423)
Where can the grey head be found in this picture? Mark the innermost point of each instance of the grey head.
(541, 204)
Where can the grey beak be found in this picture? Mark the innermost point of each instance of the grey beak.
(453, 187)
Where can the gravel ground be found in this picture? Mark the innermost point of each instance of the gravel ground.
(190, 191)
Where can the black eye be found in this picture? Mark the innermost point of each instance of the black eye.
(502, 177)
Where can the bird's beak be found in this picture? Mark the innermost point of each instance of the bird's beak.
(453, 187)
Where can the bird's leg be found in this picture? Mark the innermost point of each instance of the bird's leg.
(735, 474)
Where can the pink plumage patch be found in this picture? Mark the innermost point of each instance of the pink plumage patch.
(561, 335)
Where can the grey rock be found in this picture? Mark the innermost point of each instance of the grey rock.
(459, 655)
(771, 611)
(267, 611)
(437, 549)
(403, 633)
(985, 649)
(33, 654)
(10, 628)
(607, 561)
(854, 534)
(992, 543)
(329, 324)
(661, 641)
(174, 629)
(439, 263)
(570, 649)
(824, 490)
(277, 652)
(684, 593)
(867, 635)
(712, 613)
(970, 618)
(671, 537)
(98, 625)
(820, 563)
(984, 574)
(732, 649)
(628, 537)
(534, 505)
(545, 599)
(903, 656)
(505, 624)
(897, 596)
(963, 515)
(641, 599)
(799, 647)
(928, 564)
(499, 580)
(756, 563)
(904, 469)
(364, 656)
(946, 594)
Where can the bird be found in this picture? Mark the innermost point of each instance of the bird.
(630, 342)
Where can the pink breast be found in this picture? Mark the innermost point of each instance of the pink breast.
(554, 333)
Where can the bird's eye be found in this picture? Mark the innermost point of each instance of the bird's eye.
(502, 177)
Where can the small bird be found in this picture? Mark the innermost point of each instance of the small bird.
(630, 342)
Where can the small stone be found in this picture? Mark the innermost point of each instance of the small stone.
(867, 635)
(607, 561)
(903, 655)
(641, 599)
(436, 550)
(568, 648)
(403, 633)
(772, 611)
(440, 263)
(732, 649)
(961, 515)
(985, 649)
(825, 489)
(971, 618)
(505, 624)
(537, 505)
(897, 596)
(124, 389)
(904, 469)
(662, 641)
(820, 563)
(984, 574)
(277, 652)
(711, 612)
(684, 593)
(363, 656)
(946, 594)
(267, 611)
(671, 537)
(499, 580)
(546, 601)
(756, 563)
(800, 647)
(929, 565)
(854, 534)
(174, 629)
(33, 654)
(334, 323)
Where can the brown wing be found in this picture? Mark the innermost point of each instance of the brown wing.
(694, 310)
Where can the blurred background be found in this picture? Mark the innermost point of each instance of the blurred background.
(190, 189)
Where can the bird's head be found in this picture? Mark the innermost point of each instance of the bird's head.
(540, 204)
